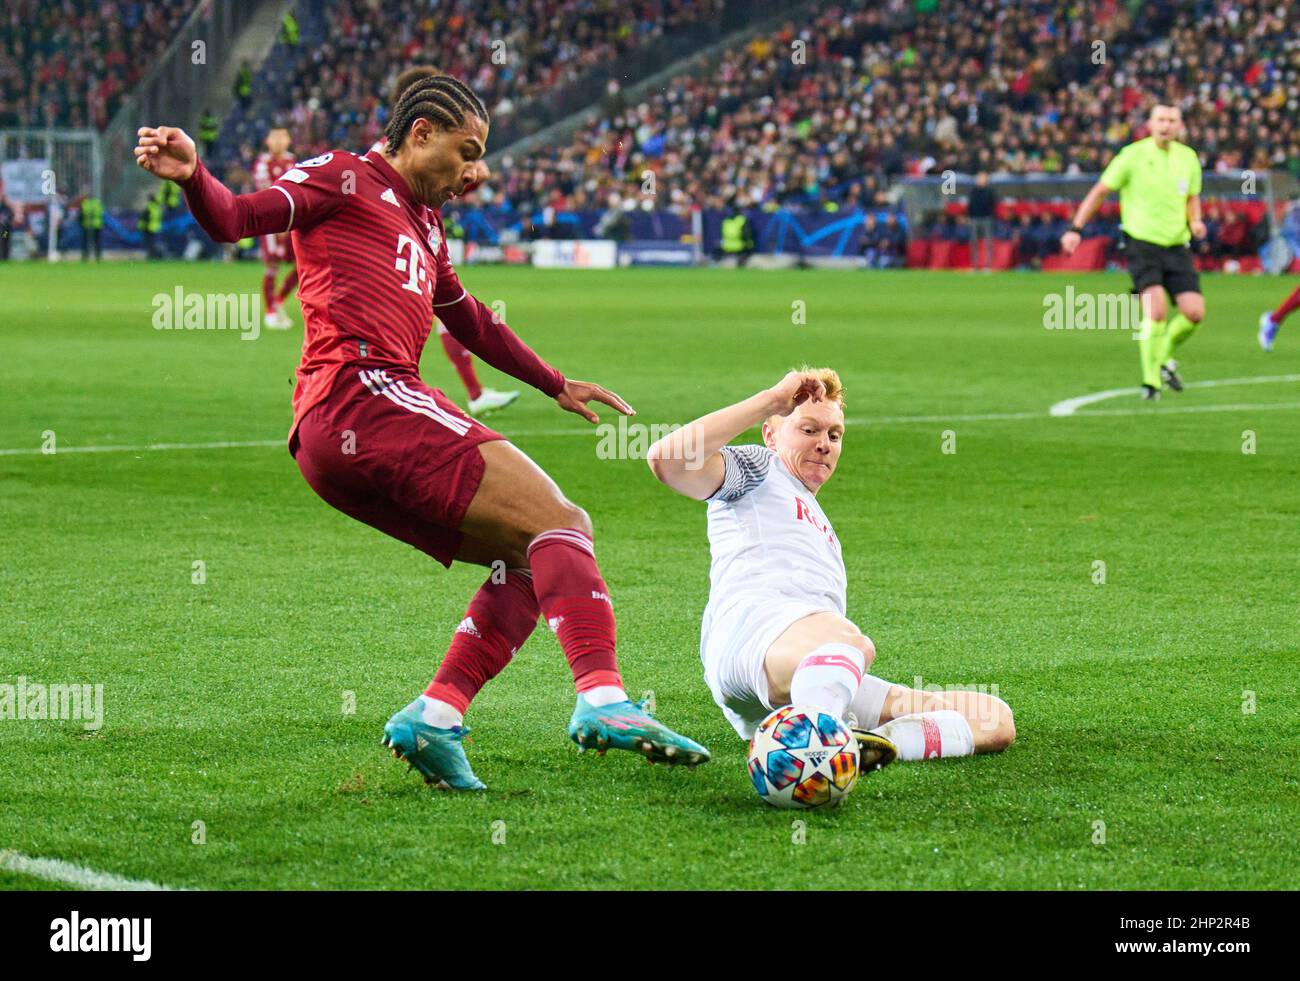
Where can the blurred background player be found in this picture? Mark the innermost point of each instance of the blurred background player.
(774, 631)
(92, 228)
(267, 169)
(1159, 184)
(481, 400)
(1270, 321)
(982, 209)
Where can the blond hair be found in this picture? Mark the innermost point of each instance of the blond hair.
(830, 379)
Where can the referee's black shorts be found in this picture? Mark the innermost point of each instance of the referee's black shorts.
(1169, 266)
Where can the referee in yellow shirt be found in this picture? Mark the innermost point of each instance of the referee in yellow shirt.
(1159, 184)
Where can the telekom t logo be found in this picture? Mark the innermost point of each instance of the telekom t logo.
(412, 264)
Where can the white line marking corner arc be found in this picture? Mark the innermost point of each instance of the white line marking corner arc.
(1067, 407)
(56, 870)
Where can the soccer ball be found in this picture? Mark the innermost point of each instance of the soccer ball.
(802, 757)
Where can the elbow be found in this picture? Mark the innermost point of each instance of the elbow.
(665, 464)
(656, 460)
(220, 231)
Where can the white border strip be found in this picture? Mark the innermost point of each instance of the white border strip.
(54, 870)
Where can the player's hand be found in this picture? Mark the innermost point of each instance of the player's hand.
(1069, 242)
(1198, 229)
(166, 152)
(793, 390)
(575, 396)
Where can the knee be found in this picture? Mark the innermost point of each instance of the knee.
(1195, 312)
(576, 518)
(851, 635)
(562, 513)
(868, 649)
(1002, 732)
(1153, 305)
(846, 632)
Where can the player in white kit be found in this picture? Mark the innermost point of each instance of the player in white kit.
(775, 631)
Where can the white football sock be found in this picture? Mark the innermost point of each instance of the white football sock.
(868, 701)
(827, 678)
(603, 695)
(439, 714)
(926, 735)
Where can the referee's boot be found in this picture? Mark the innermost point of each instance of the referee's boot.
(1169, 375)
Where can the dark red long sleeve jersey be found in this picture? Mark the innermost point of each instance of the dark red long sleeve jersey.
(373, 269)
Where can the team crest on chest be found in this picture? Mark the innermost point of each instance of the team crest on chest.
(435, 239)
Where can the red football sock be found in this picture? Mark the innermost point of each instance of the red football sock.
(575, 601)
(268, 290)
(499, 619)
(288, 286)
(463, 362)
(1291, 303)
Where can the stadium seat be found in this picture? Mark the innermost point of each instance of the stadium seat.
(941, 254)
(918, 253)
(1090, 255)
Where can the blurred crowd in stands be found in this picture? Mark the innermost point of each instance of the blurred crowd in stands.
(821, 116)
(338, 93)
(890, 88)
(69, 63)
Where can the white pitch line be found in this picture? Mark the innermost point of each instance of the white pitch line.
(1131, 411)
(146, 448)
(55, 870)
(1067, 407)
(1063, 409)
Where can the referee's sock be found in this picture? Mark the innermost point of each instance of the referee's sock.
(1151, 346)
(1180, 328)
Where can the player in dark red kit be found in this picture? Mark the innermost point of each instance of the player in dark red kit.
(481, 400)
(268, 168)
(376, 443)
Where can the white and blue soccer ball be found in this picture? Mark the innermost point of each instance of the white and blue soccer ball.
(802, 757)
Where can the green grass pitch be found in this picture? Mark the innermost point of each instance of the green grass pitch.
(1158, 709)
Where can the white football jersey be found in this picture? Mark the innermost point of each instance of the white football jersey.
(769, 538)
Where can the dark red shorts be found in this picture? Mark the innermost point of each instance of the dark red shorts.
(388, 450)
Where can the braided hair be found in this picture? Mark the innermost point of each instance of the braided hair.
(441, 99)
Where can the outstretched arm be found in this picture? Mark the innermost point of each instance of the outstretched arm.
(169, 153)
(1087, 208)
(689, 460)
(489, 337)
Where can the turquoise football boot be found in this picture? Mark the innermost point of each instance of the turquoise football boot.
(627, 725)
(437, 753)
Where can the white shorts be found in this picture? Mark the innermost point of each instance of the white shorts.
(733, 647)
